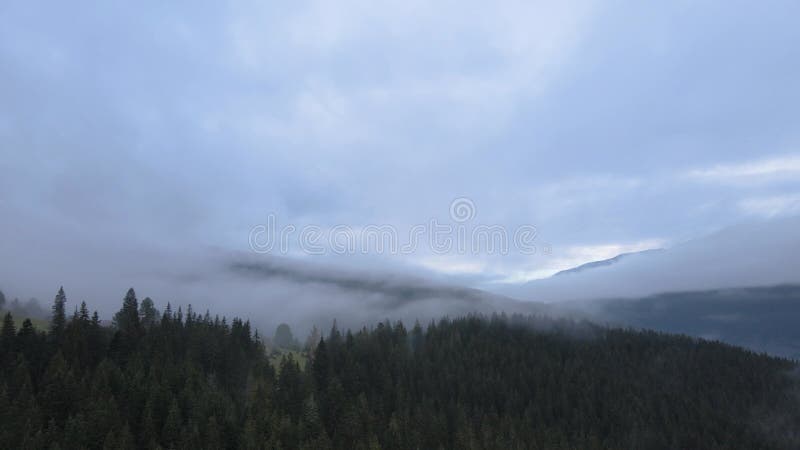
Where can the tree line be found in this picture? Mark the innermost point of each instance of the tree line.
(179, 379)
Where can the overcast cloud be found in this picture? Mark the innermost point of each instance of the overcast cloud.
(134, 133)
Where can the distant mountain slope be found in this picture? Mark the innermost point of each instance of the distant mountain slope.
(356, 298)
(457, 383)
(758, 253)
(760, 318)
(605, 262)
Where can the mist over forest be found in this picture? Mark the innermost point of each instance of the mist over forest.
(399, 225)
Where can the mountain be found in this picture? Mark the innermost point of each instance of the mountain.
(193, 381)
(758, 253)
(763, 319)
(357, 297)
(606, 262)
(739, 285)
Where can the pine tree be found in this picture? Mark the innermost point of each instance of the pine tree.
(148, 313)
(189, 315)
(312, 430)
(58, 389)
(283, 337)
(167, 316)
(171, 432)
(313, 339)
(84, 313)
(59, 320)
(290, 388)
(127, 318)
(95, 340)
(319, 366)
(26, 338)
(8, 334)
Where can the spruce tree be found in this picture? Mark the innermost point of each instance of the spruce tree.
(148, 313)
(283, 337)
(170, 433)
(319, 366)
(27, 342)
(26, 331)
(127, 318)
(313, 339)
(84, 313)
(59, 319)
(8, 334)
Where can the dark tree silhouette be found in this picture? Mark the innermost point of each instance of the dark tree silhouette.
(127, 318)
(283, 337)
(59, 319)
(148, 313)
(190, 381)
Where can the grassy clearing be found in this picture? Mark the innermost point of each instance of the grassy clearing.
(39, 324)
(278, 353)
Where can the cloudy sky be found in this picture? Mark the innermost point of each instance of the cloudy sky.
(159, 128)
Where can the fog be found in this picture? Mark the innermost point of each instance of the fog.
(755, 253)
(265, 289)
(140, 144)
(305, 291)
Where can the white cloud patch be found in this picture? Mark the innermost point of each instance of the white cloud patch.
(452, 265)
(379, 66)
(577, 255)
(771, 206)
(775, 168)
(571, 194)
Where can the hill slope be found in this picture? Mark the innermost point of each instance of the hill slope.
(190, 381)
(760, 318)
(606, 262)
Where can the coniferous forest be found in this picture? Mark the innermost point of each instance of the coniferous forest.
(180, 379)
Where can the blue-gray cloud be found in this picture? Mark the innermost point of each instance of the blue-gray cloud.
(182, 125)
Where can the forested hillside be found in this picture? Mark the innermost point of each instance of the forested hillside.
(179, 379)
(762, 318)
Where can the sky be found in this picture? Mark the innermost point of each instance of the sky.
(137, 134)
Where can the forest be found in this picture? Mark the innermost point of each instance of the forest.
(178, 379)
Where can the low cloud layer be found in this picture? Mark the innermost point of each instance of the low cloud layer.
(140, 142)
(759, 253)
(266, 289)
